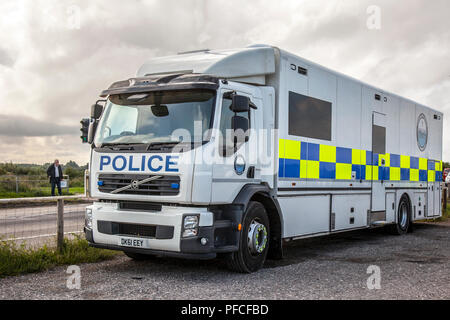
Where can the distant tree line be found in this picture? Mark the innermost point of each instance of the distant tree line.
(71, 168)
(37, 172)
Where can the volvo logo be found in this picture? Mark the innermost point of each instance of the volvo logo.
(134, 184)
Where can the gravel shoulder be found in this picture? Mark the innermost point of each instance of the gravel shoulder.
(415, 266)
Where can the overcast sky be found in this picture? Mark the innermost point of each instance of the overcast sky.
(56, 56)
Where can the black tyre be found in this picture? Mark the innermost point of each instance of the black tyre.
(138, 256)
(404, 222)
(254, 240)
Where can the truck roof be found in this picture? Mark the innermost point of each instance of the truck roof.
(249, 65)
(252, 63)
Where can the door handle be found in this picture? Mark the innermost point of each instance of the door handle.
(251, 172)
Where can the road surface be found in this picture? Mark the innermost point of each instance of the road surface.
(37, 224)
(414, 266)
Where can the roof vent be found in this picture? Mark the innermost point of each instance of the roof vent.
(194, 51)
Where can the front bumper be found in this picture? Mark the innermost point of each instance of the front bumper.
(222, 235)
(183, 255)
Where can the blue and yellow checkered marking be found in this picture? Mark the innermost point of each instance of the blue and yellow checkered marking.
(314, 161)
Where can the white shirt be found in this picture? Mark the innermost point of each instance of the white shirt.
(56, 171)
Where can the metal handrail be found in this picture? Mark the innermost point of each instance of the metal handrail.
(37, 199)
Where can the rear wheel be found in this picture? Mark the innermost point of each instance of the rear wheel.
(254, 240)
(403, 217)
(139, 256)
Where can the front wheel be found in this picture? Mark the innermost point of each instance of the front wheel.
(254, 240)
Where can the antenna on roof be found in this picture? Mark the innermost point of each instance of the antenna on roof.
(194, 51)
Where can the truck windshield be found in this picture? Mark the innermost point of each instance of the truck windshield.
(156, 117)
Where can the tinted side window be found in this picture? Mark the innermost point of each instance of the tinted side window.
(309, 117)
(227, 141)
(379, 139)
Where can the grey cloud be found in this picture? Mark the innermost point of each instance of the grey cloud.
(5, 58)
(23, 126)
(66, 69)
(43, 149)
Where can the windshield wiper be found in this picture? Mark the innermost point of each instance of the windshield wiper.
(162, 145)
(120, 146)
(153, 146)
(184, 146)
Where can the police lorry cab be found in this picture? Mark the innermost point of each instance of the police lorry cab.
(232, 153)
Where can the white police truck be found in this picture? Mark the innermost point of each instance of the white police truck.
(232, 153)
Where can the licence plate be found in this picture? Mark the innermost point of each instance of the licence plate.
(133, 242)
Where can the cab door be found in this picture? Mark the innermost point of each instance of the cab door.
(235, 165)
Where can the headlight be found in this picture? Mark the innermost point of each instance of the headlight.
(190, 222)
(88, 218)
(190, 226)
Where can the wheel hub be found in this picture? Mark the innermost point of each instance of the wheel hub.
(404, 216)
(257, 237)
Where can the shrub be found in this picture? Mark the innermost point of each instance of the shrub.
(16, 259)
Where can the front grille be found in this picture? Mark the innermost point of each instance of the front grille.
(139, 206)
(139, 230)
(164, 186)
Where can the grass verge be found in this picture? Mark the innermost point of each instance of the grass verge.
(445, 214)
(42, 192)
(15, 260)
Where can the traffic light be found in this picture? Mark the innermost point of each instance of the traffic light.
(84, 130)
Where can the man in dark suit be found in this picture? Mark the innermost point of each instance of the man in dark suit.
(54, 172)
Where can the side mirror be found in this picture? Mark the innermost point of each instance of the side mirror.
(240, 126)
(96, 111)
(84, 130)
(240, 103)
